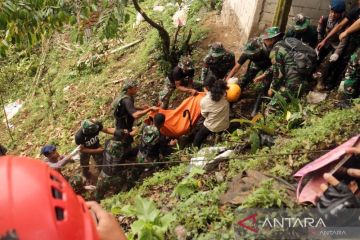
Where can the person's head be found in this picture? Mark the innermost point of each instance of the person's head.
(271, 36)
(89, 126)
(130, 87)
(29, 188)
(301, 23)
(50, 152)
(216, 49)
(186, 64)
(159, 120)
(337, 8)
(216, 87)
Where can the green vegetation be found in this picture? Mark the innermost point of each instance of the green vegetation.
(64, 77)
(151, 223)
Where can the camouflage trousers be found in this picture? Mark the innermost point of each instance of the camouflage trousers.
(350, 85)
(166, 93)
(106, 183)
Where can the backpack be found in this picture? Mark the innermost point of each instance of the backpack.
(304, 55)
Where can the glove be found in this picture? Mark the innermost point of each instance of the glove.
(336, 203)
(334, 57)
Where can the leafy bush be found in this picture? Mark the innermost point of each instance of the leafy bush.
(189, 184)
(150, 223)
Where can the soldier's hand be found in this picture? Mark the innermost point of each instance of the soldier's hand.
(321, 45)
(193, 92)
(259, 78)
(154, 109)
(270, 92)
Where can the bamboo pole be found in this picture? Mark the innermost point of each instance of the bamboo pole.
(282, 14)
(6, 118)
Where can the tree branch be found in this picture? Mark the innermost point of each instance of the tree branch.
(162, 32)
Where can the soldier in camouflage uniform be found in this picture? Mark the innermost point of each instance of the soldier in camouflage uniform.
(218, 61)
(180, 78)
(283, 72)
(303, 30)
(350, 86)
(257, 52)
(116, 152)
(153, 144)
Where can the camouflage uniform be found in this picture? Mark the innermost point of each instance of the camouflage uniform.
(111, 176)
(149, 147)
(218, 61)
(258, 54)
(350, 86)
(285, 76)
(303, 30)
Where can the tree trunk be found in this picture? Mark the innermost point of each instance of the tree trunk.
(282, 14)
(165, 37)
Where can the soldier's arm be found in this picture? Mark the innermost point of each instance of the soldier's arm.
(353, 28)
(277, 69)
(108, 130)
(84, 149)
(185, 89)
(336, 29)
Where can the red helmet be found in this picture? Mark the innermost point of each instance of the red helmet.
(37, 203)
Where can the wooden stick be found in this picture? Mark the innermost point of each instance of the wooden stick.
(126, 46)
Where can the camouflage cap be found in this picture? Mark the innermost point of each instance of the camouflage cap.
(115, 148)
(301, 22)
(252, 46)
(271, 32)
(216, 49)
(89, 126)
(129, 84)
(150, 134)
(186, 63)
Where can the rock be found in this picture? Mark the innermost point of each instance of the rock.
(180, 232)
(219, 177)
(315, 97)
(243, 185)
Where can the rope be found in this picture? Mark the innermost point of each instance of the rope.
(204, 160)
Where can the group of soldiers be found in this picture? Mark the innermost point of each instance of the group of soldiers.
(283, 62)
(290, 62)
